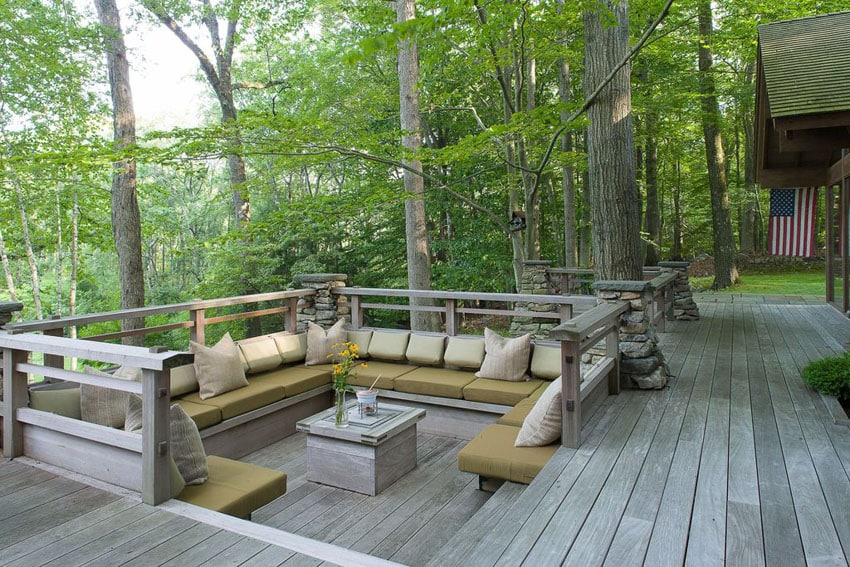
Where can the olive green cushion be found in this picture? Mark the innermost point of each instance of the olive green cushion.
(236, 402)
(442, 382)
(499, 391)
(388, 372)
(361, 338)
(388, 346)
(464, 352)
(202, 414)
(518, 413)
(183, 380)
(292, 348)
(546, 362)
(491, 454)
(61, 401)
(297, 379)
(235, 488)
(426, 350)
(260, 354)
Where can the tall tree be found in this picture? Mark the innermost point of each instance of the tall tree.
(611, 177)
(126, 219)
(416, 228)
(725, 271)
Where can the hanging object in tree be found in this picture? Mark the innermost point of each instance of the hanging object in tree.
(517, 221)
(791, 231)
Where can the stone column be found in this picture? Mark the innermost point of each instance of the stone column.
(325, 308)
(684, 306)
(535, 281)
(7, 309)
(642, 363)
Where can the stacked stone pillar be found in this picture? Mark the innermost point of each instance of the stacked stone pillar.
(684, 306)
(325, 308)
(642, 363)
(7, 309)
(535, 281)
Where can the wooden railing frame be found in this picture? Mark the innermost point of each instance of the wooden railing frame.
(153, 445)
(452, 304)
(577, 336)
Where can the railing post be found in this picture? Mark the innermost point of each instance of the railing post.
(612, 351)
(14, 397)
(570, 393)
(53, 360)
(197, 332)
(356, 312)
(156, 480)
(451, 317)
(291, 322)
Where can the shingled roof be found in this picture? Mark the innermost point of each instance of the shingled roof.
(803, 101)
(807, 64)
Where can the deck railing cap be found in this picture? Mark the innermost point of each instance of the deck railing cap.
(622, 285)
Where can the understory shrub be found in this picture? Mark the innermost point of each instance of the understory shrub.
(830, 376)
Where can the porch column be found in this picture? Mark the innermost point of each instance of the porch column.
(325, 308)
(642, 363)
(684, 306)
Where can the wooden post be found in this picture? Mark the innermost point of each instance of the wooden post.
(451, 317)
(612, 351)
(14, 397)
(156, 478)
(356, 312)
(54, 360)
(291, 322)
(570, 393)
(197, 332)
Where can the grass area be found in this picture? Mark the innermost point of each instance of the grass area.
(788, 283)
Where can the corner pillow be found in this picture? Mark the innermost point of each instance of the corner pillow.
(320, 342)
(105, 406)
(505, 359)
(426, 350)
(542, 426)
(133, 424)
(464, 353)
(218, 369)
(388, 346)
(546, 362)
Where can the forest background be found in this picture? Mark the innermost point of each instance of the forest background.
(314, 117)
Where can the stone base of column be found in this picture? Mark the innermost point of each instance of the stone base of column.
(535, 281)
(325, 308)
(684, 306)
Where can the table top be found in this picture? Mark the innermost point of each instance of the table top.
(368, 430)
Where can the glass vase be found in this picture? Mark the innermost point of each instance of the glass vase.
(341, 414)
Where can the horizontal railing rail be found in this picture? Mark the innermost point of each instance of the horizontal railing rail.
(452, 304)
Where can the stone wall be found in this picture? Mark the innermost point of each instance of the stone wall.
(325, 308)
(642, 364)
(684, 306)
(535, 281)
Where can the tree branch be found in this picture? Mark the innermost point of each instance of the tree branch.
(258, 85)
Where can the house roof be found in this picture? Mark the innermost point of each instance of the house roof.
(803, 101)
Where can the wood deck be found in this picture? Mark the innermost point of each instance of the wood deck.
(736, 462)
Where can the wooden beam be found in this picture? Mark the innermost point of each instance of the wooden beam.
(808, 121)
(792, 177)
(838, 171)
(822, 139)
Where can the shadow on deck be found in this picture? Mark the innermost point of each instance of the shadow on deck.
(736, 461)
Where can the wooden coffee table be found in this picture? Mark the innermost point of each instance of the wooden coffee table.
(367, 456)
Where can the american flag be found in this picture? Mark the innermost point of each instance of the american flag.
(791, 231)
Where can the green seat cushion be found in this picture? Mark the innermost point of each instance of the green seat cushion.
(235, 488)
(297, 379)
(499, 391)
(441, 382)
(60, 400)
(388, 372)
(517, 415)
(202, 414)
(491, 454)
(241, 400)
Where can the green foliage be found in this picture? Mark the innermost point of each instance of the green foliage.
(830, 376)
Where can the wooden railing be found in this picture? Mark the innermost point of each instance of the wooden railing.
(663, 301)
(577, 336)
(452, 304)
(136, 462)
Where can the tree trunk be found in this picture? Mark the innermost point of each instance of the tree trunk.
(750, 241)
(567, 181)
(33, 265)
(416, 229)
(7, 269)
(725, 271)
(59, 274)
(676, 249)
(652, 221)
(126, 219)
(614, 197)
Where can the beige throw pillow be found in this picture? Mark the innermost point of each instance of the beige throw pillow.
(187, 448)
(505, 359)
(218, 369)
(320, 342)
(105, 406)
(542, 426)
